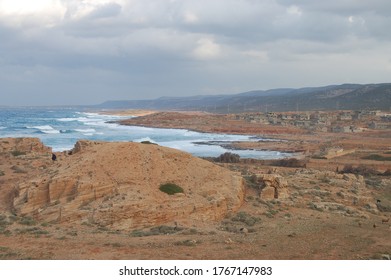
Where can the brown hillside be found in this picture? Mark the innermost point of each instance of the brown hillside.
(117, 185)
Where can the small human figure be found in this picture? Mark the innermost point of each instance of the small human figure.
(54, 157)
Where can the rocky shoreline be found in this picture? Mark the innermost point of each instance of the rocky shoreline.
(331, 204)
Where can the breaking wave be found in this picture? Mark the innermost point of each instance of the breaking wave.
(46, 129)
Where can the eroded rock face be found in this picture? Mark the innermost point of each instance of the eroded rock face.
(117, 185)
(23, 146)
(273, 186)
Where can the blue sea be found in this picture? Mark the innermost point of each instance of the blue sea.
(60, 128)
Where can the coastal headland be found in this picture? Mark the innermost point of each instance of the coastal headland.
(105, 200)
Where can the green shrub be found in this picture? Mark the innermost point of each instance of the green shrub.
(148, 143)
(2, 173)
(170, 188)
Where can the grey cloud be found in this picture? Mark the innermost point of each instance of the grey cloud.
(144, 49)
(106, 11)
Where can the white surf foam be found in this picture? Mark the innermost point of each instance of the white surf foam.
(87, 130)
(67, 119)
(47, 129)
(145, 139)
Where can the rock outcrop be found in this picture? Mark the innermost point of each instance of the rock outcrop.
(22, 146)
(117, 185)
(272, 186)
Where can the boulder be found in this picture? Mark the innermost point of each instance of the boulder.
(273, 186)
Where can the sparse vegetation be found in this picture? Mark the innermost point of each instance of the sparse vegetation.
(72, 233)
(228, 158)
(17, 153)
(245, 218)
(313, 206)
(170, 188)
(2, 173)
(32, 230)
(387, 172)
(187, 242)
(28, 221)
(114, 245)
(290, 162)
(18, 169)
(160, 230)
(359, 170)
(252, 181)
(271, 213)
(6, 253)
(377, 157)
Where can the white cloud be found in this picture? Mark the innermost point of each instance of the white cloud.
(21, 13)
(190, 17)
(294, 10)
(207, 49)
(23, 7)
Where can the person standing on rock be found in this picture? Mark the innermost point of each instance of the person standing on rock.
(54, 157)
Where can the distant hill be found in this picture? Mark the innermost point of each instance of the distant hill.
(341, 97)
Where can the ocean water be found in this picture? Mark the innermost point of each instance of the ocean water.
(60, 128)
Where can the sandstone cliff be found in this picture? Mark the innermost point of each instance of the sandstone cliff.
(22, 146)
(117, 185)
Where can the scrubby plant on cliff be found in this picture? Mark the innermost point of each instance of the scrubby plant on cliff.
(18, 153)
(170, 188)
(148, 143)
(228, 158)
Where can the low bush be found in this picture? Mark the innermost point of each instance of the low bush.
(148, 143)
(28, 221)
(228, 158)
(18, 153)
(170, 188)
(377, 157)
(160, 230)
(359, 170)
(187, 242)
(245, 218)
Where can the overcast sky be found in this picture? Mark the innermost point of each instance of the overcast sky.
(55, 52)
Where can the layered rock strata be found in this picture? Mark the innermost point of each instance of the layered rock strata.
(117, 185)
